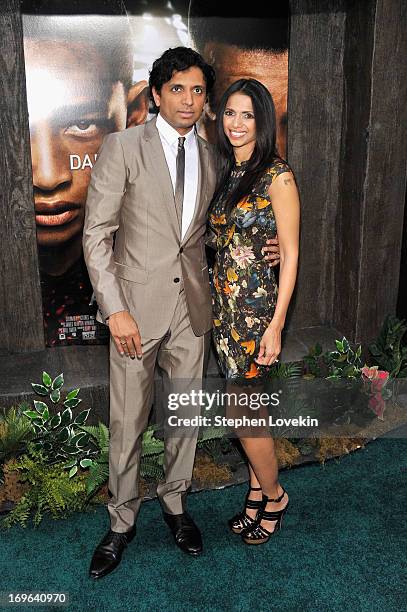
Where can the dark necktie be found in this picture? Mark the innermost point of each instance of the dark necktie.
(180, 177)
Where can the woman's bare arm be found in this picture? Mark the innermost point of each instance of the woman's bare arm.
(286, 207)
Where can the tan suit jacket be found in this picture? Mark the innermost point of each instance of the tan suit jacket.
(131, 194)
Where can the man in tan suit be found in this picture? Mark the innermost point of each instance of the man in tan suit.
(151, 185)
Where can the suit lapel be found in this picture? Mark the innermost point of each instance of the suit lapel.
(203, 157)
(161, 171)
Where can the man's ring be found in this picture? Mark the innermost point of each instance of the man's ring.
(275, 360)
(121, 342)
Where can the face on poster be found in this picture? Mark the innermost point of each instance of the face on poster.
(240, 42)
(86, 76)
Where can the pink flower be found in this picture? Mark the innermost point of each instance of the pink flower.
(374, 380)
(242, 255)
(369, 372)
(373, 373)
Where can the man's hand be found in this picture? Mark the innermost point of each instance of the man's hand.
(272, 252)
(125, 334)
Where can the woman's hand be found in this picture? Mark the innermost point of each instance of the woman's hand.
(270, 345)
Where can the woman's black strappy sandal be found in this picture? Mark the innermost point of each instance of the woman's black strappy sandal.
(256, 534)
(242, 520)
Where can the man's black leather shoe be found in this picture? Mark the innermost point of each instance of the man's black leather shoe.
(186, 533)
(109, 552)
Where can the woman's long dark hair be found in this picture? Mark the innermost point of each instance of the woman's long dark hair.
(265, 147)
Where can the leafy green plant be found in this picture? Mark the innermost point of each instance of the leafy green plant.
(289, 369)
(150, 444)
(98, 464)
(211, 440)
(389, 351)
(336, 388)
(217, 448)
(345, 362)
(59, 434)
(287, 375)
(151, 466)
(51, 489)
(313, 360)
(15, 431)
(152, 456)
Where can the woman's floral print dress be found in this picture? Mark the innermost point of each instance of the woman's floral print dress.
(244, 288)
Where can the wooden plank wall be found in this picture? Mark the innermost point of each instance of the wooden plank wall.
(315, 102)
(21, 326)
(359, 40)
(374, 157)
(347, 142)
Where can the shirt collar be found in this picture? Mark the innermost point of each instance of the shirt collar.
(170, 134)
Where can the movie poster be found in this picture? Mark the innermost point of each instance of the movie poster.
(87, 66)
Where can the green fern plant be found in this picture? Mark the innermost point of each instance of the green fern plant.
(286, 375)
(150, 444)
(15, 431)
(217, 448)
(215, 443)
(152, 456)
(152, 466)
(151, 463)
(51, 490)
(312, 361)
(99, 464)
(289, 369)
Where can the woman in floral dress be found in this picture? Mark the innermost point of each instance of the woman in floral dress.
(256, 194)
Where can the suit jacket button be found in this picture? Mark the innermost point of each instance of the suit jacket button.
(181, 250)
(176, 280)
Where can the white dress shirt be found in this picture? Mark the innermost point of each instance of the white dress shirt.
(169, 139)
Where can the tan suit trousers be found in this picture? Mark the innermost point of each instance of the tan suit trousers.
(181, 356)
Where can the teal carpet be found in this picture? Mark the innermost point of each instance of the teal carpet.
(342, 547)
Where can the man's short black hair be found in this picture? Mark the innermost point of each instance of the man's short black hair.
(178, 60)
(264, 27)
